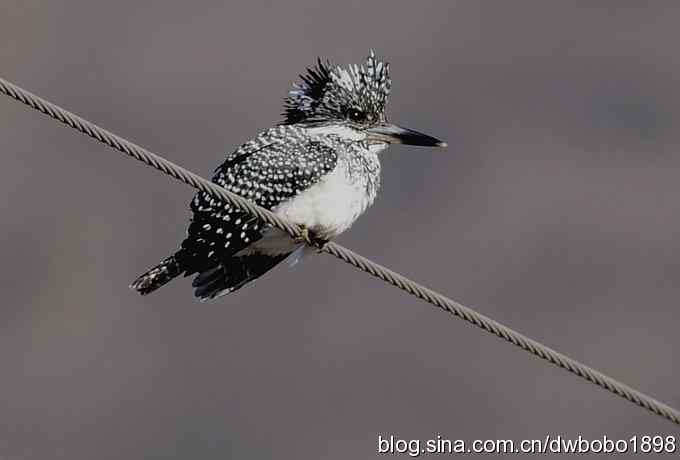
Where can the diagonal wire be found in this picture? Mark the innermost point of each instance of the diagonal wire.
(358, 261)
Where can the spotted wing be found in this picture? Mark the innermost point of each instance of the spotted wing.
(276, 166)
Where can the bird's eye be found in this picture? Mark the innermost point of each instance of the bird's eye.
(356, 115)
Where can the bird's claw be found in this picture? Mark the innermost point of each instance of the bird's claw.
(310, 238)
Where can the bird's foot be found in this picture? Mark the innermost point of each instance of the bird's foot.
(312, 239)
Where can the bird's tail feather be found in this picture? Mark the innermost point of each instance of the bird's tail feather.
(159, 275)
(233, 274)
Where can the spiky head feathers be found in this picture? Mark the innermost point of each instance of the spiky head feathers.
(356, 94)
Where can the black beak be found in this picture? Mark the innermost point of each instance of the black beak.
(393, 134)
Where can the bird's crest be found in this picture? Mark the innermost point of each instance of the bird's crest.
(329, 93)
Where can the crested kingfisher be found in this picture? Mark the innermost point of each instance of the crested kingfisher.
(319, 168)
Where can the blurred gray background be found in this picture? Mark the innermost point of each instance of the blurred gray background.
(554, 210)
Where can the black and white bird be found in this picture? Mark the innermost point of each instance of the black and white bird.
(319, 169)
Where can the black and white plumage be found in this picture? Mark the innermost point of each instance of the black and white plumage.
(319, 169)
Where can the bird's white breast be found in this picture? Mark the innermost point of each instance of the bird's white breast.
(327, 208)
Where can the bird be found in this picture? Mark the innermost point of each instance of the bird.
(319, 168)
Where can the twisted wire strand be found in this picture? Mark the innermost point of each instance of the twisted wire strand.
(342, 253)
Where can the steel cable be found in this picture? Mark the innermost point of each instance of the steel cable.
(358, 261)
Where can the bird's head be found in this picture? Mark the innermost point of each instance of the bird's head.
(351, 100)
